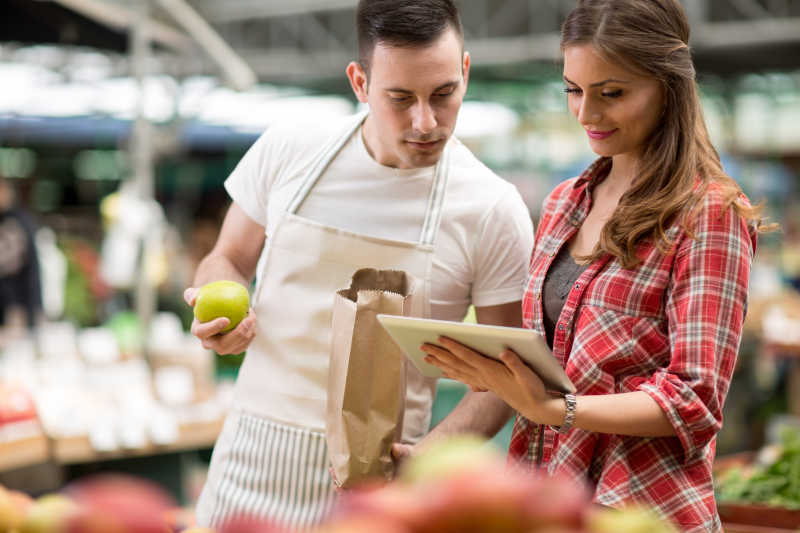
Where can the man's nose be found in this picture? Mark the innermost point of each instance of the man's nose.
(424, 119)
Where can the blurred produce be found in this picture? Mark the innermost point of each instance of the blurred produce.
(100, 504)
(121, 504)
(630, 520)
(470, 490)
(85, 288)
(455, 455)
(48, 514)
(14, 508)
(774, 481)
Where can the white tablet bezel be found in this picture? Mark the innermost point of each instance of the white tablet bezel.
(410, 333)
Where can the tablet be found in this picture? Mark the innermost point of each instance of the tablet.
(411, 333)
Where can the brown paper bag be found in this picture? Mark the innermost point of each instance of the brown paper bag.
(367, 376)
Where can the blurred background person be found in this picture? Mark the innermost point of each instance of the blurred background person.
(20, 289)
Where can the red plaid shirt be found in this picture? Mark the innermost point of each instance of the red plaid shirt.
(669, 327)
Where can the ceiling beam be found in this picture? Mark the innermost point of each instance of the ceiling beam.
(240, 10)
(120, 18)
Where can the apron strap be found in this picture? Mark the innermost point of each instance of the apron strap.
(433, 212)
(326, 155)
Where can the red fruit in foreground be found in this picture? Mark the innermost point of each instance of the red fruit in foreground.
(362, 524)
(503, 500)
(250, 524)
(482, 497)
(120, 503)
(392, 504)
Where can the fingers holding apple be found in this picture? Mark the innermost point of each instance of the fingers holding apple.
(190, 295)
(232, 342)
(224, 320)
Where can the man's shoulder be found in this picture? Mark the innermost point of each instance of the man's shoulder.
(299, 137)
(467, 168)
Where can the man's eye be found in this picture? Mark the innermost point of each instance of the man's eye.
(399, 99)
(443, 94)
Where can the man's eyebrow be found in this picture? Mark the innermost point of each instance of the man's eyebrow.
(406, 91)
(599, 83)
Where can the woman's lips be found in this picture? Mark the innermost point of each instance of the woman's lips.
(600, 135)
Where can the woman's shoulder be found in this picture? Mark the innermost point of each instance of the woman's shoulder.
(715, 216)
(718, 202)
(563, 191)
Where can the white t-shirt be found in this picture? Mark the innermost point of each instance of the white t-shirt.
(485, 238)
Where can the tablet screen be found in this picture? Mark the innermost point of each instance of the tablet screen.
(411, 333)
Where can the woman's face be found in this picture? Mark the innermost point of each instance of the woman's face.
(617, 108)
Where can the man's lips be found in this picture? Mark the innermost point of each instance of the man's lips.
(427, 145)
(599, 135)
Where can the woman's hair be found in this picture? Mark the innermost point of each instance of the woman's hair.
(650, 37)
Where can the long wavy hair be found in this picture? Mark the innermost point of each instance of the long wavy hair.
(650, 37)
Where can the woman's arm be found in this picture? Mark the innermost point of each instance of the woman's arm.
(632, 413)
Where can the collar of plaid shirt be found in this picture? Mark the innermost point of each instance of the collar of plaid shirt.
(669, 327)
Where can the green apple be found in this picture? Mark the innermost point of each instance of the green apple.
(222, 298)
(632, 519)
(450, 456)
(13, 508)
(49, 514)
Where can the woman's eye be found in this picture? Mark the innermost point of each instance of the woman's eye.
(613, 94)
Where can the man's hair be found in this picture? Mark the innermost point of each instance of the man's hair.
(402, 23)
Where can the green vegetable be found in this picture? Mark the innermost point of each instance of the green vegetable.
(777, 483)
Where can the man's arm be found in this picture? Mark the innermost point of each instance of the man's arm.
(234, 257)
(236, 252)
(483, 413)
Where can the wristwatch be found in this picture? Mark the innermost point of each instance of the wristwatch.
(569, 414)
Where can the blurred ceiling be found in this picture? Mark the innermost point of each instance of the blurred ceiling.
(311, 41)
(94, 23)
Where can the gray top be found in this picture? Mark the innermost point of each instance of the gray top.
(560, 278)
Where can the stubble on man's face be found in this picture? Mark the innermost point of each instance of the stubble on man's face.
(414, 94)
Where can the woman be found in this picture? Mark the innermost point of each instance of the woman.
(638, 278)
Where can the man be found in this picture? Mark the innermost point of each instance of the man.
(310, 207)
(20, 286)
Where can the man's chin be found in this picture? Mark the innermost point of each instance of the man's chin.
(418, 159)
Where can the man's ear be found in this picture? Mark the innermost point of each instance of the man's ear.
(358, 80)
(465, 68)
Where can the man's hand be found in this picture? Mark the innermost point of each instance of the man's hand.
(210, 333)
(401, 452)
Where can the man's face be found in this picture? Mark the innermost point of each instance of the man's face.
(414, 94)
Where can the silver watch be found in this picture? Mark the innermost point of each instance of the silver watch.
(569, 414)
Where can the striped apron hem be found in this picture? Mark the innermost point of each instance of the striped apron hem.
(269, 471)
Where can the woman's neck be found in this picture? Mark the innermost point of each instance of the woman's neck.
(621, 176)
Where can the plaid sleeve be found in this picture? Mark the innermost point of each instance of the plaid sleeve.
(705, 310)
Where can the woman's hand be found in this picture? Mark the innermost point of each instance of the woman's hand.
(509, 378)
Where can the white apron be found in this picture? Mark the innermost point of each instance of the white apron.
(271, 459)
